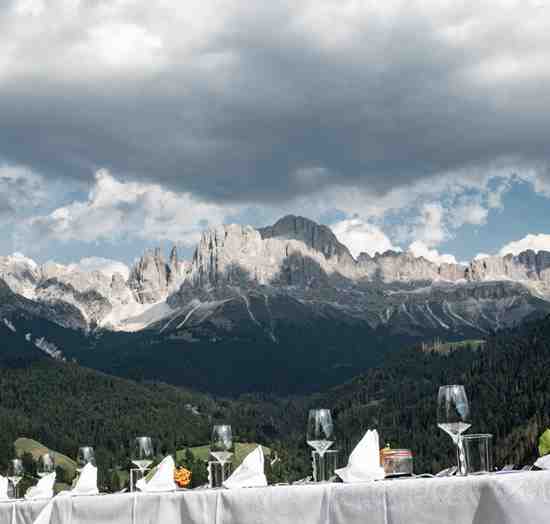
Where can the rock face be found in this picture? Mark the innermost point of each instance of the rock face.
(317, 237)
(152, 278)
(238, 256)
(149, 277)
(528, 265)
(401, 267)
(20, 273)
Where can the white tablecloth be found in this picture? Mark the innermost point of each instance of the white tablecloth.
(522, 498)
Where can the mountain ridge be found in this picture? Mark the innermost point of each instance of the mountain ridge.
(294, 256)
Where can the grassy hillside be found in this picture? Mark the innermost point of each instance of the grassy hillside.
(36, 449)
(446, 347)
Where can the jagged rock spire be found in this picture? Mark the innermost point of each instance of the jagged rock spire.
(149, 277)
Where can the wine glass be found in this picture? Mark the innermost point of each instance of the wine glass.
(143, 453)
(15, 473)
(453, 417)
(46, 464)
(221, 446)
(320, 434)
(85, 456)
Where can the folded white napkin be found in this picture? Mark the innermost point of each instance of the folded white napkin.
(163, 478)
(85, 485)
(250, 473)
(87, 481)
(543, 462)
(44, 488)
(364, 461)
(3, 488)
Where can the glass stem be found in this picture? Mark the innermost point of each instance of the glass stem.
(321, 467)
(461, 456)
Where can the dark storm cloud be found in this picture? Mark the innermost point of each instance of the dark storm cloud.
(279, 101)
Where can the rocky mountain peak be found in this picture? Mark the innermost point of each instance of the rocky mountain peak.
(174, 257)
(152, 277)
(149, 277)
(20, 273)
(363, 257)
(316, 236)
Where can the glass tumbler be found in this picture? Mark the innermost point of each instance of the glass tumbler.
(331, 462)
(478, 450)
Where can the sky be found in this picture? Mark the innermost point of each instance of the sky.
(407, 125)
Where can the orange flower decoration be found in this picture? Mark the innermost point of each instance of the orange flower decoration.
(182, 477)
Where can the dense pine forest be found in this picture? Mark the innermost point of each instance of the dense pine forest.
(507, 379)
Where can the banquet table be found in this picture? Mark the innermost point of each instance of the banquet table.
(522, 497)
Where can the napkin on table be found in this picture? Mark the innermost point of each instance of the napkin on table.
(87, 482)
(85, 485)
(250, 473)
(364, 461)
(42, 490)
(543, 462)
(3, 488)
(163, 478)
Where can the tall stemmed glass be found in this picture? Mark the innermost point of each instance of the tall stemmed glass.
(320, 434)
(143, 453)
(85, 456)
(453, 417)
(15, 474)
(46, 465)
(221, 446)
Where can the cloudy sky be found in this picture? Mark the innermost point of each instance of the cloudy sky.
(402, 124)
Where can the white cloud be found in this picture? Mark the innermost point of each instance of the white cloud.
(468, 211)
(540, 242)
(495, 196)
(419, 249)
(481, 256)
(166, 59)
(361, 236)
(29, 7)
(430, 227)
(122, 45)
(104, 265)
(116, 209)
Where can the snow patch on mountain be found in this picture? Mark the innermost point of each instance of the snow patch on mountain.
(135, 316)
(49, 348)
(9, 325)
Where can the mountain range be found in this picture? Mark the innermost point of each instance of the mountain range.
(288, 299)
